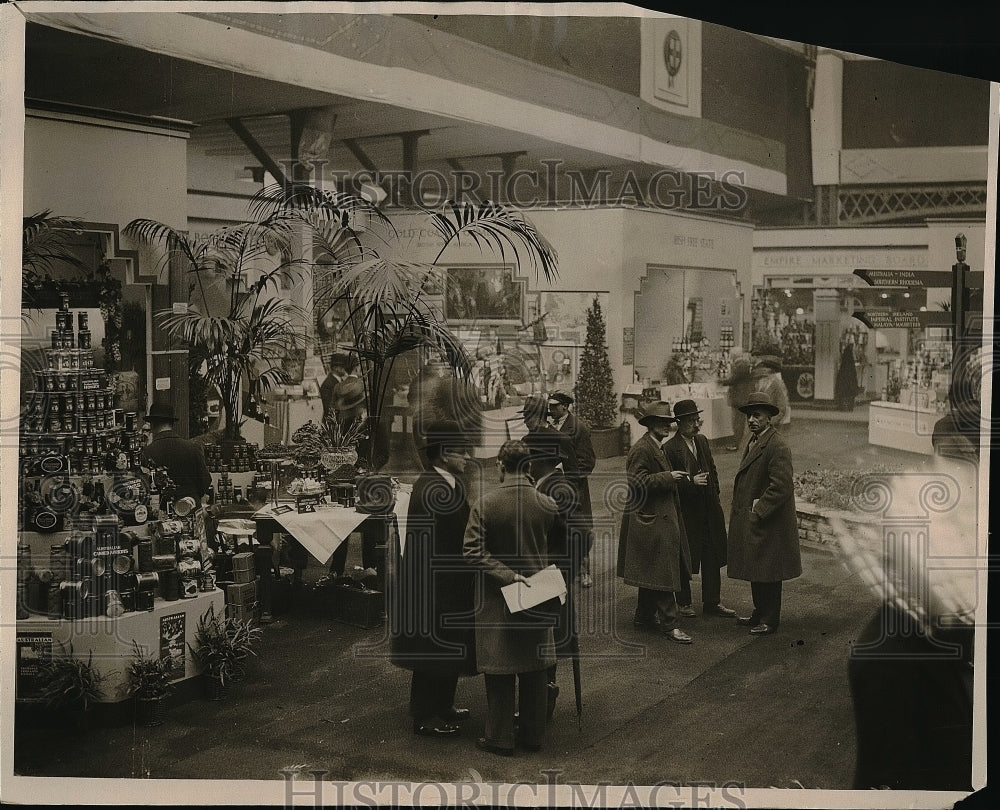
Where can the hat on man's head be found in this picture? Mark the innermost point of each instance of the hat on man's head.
(768, 361)
(560, 398)
(348, 393)
(535, 405)
(758, 400)
(545, 444)
(658, 410)
(161, 412)
(685, 407)
(446, 432)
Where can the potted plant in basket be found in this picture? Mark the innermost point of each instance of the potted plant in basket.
(71, 686)
(595, 394)
(149, 683)
(222, 645)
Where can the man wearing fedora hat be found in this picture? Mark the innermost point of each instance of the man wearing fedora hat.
(763, 533)
(767, 371)
(431, 594)
(183, 459)
(652, 544)
(701, 510)
(569, 423)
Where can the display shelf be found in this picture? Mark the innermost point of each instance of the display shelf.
(165, 632)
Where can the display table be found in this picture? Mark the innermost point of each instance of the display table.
(903, 427)
(165, 631)
(321, 532)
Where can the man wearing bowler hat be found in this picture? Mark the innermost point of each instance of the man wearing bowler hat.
(652, 545)
(704, 520)
(183, 459)
(763, 533)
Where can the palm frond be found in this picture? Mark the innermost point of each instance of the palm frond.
(499, 228)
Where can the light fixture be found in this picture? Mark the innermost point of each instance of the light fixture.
(923, 309)
(906, 295)
(799, 311)
(885, 295)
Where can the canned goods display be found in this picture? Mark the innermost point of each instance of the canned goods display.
(128, 599)
(83, 339)
(64, 321)
(113, 607)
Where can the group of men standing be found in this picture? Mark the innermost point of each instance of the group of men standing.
(447, 614)
(674, 524)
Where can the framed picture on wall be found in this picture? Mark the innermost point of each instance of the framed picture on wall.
(483, 294)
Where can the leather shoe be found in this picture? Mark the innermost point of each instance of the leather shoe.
(679, 636)
(435, 727)
(458, 715)
(720, 610)
(687, 611)
(746, 621)
(485, 745)
(762, 630)
(528, 746)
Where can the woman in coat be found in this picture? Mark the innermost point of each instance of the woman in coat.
(652, 537)
(432, 590)
(507, 538)
(763, 533)
(845, 387)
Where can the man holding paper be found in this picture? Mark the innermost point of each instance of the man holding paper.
(507, 537)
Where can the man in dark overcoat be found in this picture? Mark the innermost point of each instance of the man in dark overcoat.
(652, 546)
(507, 539)
(704, 520)
(565, 421)
(183, 459)
(763, 532)
(432, 589)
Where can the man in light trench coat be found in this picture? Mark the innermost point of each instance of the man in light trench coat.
(763, 533)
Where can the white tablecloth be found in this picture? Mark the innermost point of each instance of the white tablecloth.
(322, 531)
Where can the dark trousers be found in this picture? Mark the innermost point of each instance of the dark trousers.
(374, 531)
(431, 695)
(660, 605)
(711, 581)
(532, 700)
(766, 602)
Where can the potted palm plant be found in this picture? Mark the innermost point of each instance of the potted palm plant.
(71, 686)
(236, 319)
(149, 682)
(221, 647)
(386, 295)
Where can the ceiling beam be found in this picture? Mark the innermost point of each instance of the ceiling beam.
(360, 154)
(258, 151)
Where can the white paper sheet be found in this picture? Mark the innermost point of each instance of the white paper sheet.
(540, 587)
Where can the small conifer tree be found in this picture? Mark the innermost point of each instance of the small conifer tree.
(595, 395)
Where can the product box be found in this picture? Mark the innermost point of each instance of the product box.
(244, 593)
(243, 561)
(242, 576)
(360, 608)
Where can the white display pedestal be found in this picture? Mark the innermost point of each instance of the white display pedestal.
(903, 427)
(165, 631)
